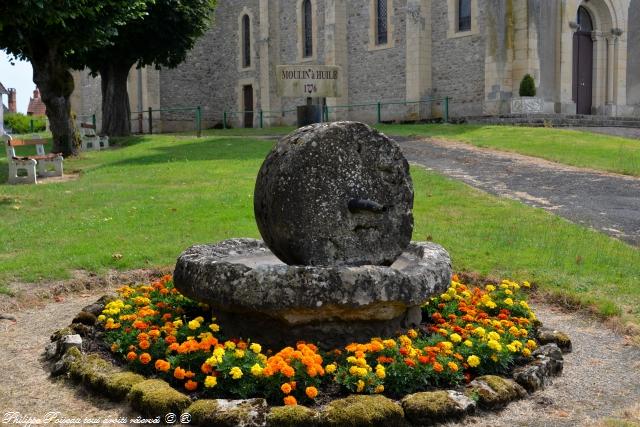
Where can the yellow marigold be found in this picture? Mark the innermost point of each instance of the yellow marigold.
(239, 353)
(526, 352)
(193, 325)
(490, 304)
(178, 323)
(514, 331)
(455, 338)
(508, 301)
(523, 332)
(494, 345)
(446, 345)
(389, 343)
(236, 373)
(493, 336)
(214, 327)
(330, 369)
(453, 366)
(256, 370)
(526, 284)
(412, 333)
(508, 292)
(380, 373)
(210, 382)
(101, 318)
(360, 386)
(256, 348)
(230, 345)
(473, 361)
(445, 297)
(512, 348)
(479, 331)
(531, 344)
(379, 389)
(468, 343)
(490, 288)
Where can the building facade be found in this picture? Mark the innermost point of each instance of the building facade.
(584, 56)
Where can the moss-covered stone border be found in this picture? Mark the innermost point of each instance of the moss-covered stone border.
(154, 397)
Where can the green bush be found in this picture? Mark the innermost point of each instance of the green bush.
(527, 86)
(19, 123)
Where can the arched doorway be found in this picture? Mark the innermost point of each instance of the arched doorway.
(583, 62)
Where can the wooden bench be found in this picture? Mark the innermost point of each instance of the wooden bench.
(42, 165)
(90, 139)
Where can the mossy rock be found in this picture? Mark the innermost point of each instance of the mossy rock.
(360, 411)
(430, 408)
(92, 370)
(562, 340)
(118, 385)
(61, 333)
(157, 398)
(85, 318)
(494, 392)
(228, 413)
(292, 416)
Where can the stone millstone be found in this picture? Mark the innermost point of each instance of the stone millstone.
(335, 194)
(255, 296)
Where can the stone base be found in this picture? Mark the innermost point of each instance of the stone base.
(527, 105)
(254, 295)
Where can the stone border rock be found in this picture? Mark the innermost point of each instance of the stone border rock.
(155, 397)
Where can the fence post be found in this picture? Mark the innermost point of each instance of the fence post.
(224, 120)
(446, 109)
(199, 121)
(379, 107)
(150, 121)
(261, 119)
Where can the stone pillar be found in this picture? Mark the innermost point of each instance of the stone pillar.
(565, 103)
(268, 19)
(335, 41)
(611, 56)
(600, 70)
(418, 57)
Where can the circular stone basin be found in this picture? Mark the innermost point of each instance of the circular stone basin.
(256, 296)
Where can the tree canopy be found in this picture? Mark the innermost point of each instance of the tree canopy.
(48, 33)
(162, 37)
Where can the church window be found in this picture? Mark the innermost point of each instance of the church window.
(307, 29)
(464, 15)
(382, 32)
(584, 20)
(246, 41)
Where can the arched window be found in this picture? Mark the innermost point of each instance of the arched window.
(584, 20)
(246, 41)
(307, 29)
(382, 32)
(464, 15)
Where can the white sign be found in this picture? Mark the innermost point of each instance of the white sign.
(309, 81)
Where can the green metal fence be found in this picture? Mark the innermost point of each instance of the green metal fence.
(378, 107)
(139, 117)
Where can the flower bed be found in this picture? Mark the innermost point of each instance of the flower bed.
(467, 332)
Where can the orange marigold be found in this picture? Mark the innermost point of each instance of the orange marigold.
(437, 367)
(290, 401)
(131, 356)
(162, 365)
(144, 345)
(145, 358)
(312, 392)
(286, 388)
(288, 371)
(191, 385)
(179, 373)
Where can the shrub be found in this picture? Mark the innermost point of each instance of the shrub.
(527, 86)
(19, 123)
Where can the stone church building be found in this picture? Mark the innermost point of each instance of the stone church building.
(583, 54)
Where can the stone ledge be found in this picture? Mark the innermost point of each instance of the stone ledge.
(363, 410)
(548, 336)
(431, 408)
(157, 397)
(494, 392)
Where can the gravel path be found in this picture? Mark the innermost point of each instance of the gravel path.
(604, 201)
(601, 377)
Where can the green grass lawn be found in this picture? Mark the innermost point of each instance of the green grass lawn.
(155, 196)
(576, 148)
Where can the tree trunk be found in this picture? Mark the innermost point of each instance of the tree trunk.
(116, 112)
(51, 75)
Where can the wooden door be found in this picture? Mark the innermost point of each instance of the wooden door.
(583, 72)
(247, 95)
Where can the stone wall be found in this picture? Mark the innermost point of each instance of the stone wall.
(458, 63)
(633, 72)
(543, 19)
(210, 75)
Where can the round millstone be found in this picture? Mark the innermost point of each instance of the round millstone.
(335, 194)
(256, 296)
